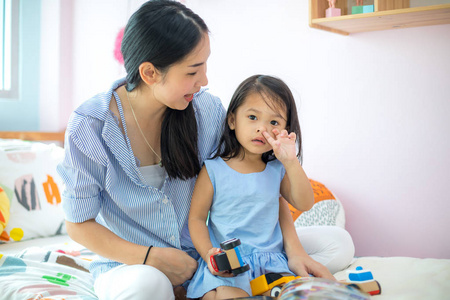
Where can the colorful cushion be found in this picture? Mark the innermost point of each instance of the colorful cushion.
(327, 209)
(28, 177)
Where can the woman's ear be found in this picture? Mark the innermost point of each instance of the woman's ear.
(231, 121)
(149, 74)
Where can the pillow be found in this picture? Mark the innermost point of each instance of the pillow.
(28, 176)
(327, 209)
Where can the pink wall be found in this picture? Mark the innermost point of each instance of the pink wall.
(373, 106)
(374, 112)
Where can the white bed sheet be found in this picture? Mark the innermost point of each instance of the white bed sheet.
(400, 278)
(16, 247)
(406, 278)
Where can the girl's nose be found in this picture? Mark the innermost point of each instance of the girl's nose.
(261, 128)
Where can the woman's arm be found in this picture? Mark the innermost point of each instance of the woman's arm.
(299, 261)
(175, 264)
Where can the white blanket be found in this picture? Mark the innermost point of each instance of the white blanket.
(41, 272)
(406, 278)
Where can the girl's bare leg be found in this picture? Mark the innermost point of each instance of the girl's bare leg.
(224, 292)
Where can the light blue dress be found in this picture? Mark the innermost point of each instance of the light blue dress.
(245, 206)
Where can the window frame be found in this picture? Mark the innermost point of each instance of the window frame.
(13, 92)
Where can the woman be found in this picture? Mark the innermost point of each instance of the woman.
(133, 153)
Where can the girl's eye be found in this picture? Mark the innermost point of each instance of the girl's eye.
(274, 123)
(192, 74)
(252, 117)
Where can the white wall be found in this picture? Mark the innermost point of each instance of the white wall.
(374, 111)
(373, 107)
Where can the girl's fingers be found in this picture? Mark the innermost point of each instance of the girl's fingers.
(276, 132)
(269, 139)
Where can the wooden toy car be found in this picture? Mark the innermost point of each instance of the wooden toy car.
(229, 259)
(270, 284)
(363, 280)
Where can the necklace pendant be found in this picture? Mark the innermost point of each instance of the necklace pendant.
(160, 163)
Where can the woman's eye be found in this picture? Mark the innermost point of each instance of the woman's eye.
(192, 74)
(252, 117)
(274, 123)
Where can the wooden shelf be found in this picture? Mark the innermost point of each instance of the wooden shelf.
(380, 20)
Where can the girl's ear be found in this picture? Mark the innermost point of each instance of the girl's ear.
(231, 120)
(149, 74)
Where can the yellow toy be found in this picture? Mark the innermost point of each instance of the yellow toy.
(4, 214)
(270, 284)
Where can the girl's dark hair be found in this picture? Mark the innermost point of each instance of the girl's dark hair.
(276, 94)
(164, 32)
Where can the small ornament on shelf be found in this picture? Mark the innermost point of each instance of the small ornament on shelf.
(332, 11)
(361, 6)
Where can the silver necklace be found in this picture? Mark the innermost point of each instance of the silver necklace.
(142, 133)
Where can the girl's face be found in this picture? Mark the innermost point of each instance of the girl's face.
(177, 87)
(252, 118)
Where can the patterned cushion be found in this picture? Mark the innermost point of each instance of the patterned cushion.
(327, 209)
(28, 177)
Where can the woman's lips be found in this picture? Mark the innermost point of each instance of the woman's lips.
(189, 97)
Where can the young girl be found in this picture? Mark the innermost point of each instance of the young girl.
(240, 188)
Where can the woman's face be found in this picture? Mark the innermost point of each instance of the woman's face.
(177, 87)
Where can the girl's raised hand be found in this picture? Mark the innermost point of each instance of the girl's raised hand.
(283, 144)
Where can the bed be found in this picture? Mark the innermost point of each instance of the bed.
(39, 261)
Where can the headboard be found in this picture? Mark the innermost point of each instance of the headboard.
(34, 136)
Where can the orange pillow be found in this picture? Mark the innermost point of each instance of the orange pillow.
(327, 209)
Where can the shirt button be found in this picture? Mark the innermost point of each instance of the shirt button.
(172, 238)
(165, 200)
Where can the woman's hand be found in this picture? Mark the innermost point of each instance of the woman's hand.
(283, 144)
(212, 252)
(305, 266)
(175, 264)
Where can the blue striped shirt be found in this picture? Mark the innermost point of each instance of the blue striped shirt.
(102, 179)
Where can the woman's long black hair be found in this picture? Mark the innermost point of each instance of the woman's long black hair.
(276, 94)
(164, 32)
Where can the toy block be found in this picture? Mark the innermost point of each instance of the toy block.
(332, 12)
(357, 10)
(368, 9)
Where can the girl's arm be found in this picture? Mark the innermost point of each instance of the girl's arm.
(198, 214)
(295, 186)
(175, 264)
(299, 261)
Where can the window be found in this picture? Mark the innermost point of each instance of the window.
(9, 48)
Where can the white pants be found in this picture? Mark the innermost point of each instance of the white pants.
(136, 282)
(330, 245)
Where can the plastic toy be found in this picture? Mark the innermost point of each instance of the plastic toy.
(229, 259)
(359, 274)
(4, 214)
(363, 280)
(270, 284)
(320, 288)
